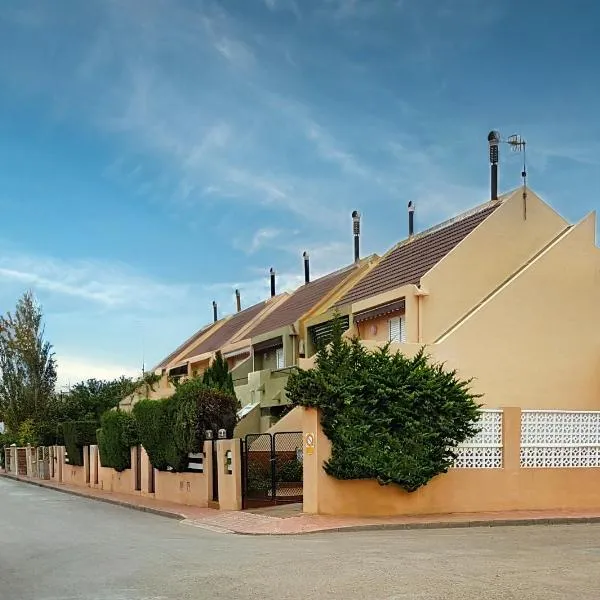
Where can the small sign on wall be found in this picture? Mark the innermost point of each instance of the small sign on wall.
(309, 443)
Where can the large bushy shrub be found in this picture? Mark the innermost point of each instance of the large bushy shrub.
(116, 437)
(170, 429)
(389, 417)
(154, 430)
(78, 434)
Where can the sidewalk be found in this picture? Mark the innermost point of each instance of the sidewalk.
(293, 522)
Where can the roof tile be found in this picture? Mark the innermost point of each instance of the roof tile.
(301, 301)
(412, 258)
(224, 333)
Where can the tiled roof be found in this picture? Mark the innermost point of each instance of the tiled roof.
(408, 261)
(163, 363)
(301, 301)
(224, 333)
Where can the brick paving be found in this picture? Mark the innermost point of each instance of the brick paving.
(289, 520)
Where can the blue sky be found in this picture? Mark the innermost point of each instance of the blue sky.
(157, 154)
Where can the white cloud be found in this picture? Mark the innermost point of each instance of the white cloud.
(72, 370)
(113, 286)
(260, 237)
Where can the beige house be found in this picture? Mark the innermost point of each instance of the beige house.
(194, 355)
(507, 293)
(280, 340)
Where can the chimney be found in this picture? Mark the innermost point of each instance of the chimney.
(356, 232)
(238, 300)
(306, 267)
(272, 273)
(411, 219)
(215, 316)
(494, 143)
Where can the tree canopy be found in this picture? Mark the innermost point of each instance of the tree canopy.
(217, 375)
(389, 417)
(27, 365)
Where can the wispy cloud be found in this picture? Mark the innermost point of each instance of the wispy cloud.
(111, 286)
(261, 236)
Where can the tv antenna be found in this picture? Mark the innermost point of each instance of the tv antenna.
(517, 144)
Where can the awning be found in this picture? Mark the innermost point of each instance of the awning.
(378, 311)
(276, 342)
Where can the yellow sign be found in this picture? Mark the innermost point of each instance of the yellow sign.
(309, 443)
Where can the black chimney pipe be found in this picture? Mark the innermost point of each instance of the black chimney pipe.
(215, 317)
(411, 219)
(494, 143)
(272, 273)
(306, 267)
(356, 232)
(238, 300)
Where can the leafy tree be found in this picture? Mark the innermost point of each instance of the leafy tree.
(389, 417)
(218, 376)
(27, 365)
(200, 408)
(89, 400)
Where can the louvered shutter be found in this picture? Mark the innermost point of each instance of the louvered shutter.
(394, 330)
(403, 329)
(279, 358)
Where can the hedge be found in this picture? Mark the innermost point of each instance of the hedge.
(115, 439)
(78, 434)
(155, 432)
(169, 429)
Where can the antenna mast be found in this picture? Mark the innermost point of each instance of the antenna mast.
(518, 144)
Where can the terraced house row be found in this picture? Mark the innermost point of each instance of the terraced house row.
(508, 293)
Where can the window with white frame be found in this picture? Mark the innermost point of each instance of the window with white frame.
(279, 363)
(397, 329)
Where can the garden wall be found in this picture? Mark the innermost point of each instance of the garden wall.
(182, 488)
(563, 483)
(72, 475)
(110, 480)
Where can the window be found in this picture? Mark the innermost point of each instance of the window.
(279, 363)
(397, 329)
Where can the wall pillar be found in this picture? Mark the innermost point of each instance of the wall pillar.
(311, 459)
(29, 461)
(208, 470)
(230, 474)
(147, 474)
(86, 463)
(94, 464)
(511, 438)
(60, 452)
(13, 460)
(134, 469)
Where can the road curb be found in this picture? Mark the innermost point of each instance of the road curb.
(138, 507)
(349, 529)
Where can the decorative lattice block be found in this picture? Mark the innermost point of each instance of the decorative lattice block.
(558, 439)
(484, 450)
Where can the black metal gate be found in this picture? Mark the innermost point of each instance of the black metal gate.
(272, 469)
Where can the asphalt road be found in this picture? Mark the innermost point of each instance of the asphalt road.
(59, 547)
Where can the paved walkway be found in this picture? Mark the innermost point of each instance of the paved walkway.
(290, 520)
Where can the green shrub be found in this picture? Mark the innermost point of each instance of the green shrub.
(78, 434)
(199, 408)
(389, 417)
(155, 431)
(115, 439)
(289, 470)
(170, 429)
